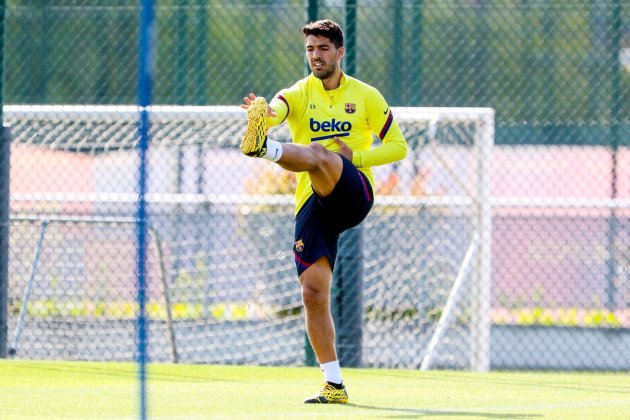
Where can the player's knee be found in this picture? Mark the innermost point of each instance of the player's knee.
(314, 297)
(320, 155)
(317, 148)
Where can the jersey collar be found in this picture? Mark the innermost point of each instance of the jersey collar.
(320, 84)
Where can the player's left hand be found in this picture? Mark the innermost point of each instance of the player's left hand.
(344, 149)
(247, 101)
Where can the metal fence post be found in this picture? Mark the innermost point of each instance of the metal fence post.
(311, 16)
(347, 288)
(615, 117)
(5, 153)
(351, 37)
(347, 297)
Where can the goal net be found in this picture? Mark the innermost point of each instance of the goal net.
(222, 283)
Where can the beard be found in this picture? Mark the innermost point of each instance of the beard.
(325, 72)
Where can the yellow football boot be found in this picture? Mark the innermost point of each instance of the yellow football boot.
(255, 139)
(329, 395)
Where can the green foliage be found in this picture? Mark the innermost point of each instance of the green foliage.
(547, 67)
(561, 317)
(516, 316)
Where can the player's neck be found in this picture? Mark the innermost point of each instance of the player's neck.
(332, 82)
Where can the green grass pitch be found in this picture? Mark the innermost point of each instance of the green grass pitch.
(82, 390)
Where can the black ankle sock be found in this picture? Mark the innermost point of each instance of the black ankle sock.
(336, 386)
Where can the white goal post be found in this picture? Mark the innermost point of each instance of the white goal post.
(442, 199)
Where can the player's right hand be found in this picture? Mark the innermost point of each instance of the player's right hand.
(344, 149)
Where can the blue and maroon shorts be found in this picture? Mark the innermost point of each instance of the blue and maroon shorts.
(321, 219)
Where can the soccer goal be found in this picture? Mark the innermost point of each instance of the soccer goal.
(222, 279)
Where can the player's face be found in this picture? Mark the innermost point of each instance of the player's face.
(322, 55)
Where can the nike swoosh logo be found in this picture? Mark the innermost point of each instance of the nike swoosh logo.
(386, 111)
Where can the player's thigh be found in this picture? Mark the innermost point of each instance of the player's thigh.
(314, 237)
(351, 200)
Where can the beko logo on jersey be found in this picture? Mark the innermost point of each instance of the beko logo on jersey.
(333, 125)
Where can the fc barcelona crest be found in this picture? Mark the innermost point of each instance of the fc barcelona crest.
(299, 245)
(351, 108)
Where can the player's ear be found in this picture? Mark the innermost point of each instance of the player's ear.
(341, 52)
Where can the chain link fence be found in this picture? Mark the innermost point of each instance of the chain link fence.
(538, 218)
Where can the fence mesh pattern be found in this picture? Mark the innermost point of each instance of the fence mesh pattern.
(555, 252)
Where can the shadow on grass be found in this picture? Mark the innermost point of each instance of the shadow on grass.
(416, 412)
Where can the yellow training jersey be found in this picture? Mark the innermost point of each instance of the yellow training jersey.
(353, 112)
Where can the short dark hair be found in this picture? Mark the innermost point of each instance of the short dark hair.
(327, 28)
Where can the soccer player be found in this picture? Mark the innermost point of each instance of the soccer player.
(332, 118)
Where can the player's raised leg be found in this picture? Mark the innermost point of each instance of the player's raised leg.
(323, 166)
